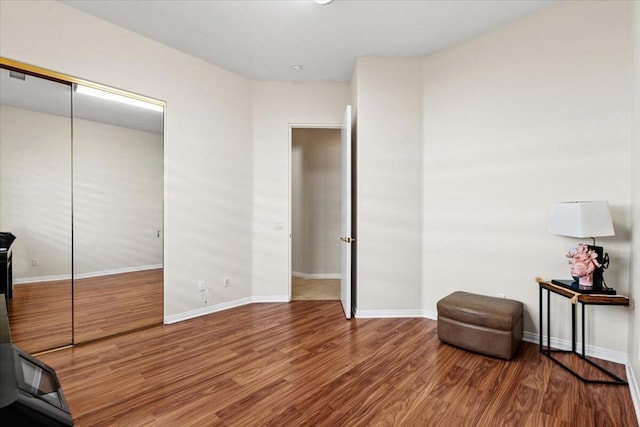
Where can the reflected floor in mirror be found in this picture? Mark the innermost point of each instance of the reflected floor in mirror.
(109, 305)
(314, 289)
(40, 313)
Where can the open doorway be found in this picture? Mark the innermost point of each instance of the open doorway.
(315, 213)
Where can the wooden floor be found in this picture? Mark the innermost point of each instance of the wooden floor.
(40, 314)
(302, 364)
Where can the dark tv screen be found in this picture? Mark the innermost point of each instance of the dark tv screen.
(30, 393)
(39, 382)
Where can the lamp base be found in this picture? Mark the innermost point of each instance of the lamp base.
(598, 279)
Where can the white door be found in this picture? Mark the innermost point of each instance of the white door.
(345, 215)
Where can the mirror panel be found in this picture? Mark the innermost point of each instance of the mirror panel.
(118, 216)
(36, 205)
(81, 188)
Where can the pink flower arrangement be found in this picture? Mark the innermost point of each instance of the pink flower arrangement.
(583, 262)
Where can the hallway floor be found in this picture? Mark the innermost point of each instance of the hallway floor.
(314, 289)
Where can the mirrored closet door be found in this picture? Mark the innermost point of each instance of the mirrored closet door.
(81, 188)
(117, 214)
(35, 206)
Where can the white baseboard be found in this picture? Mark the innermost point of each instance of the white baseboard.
(633, 389)
(271, 298)
(430, 314)
(117, 271)
(316, 276)
(390, 314)
(54, 278)
(174, 318)
(598, 352)
(387, 314)
(38, 279)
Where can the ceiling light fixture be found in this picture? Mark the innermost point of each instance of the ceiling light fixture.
(296, 67)
(323, 2)
(86, 90)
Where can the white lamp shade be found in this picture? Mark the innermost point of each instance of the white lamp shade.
(581, 219)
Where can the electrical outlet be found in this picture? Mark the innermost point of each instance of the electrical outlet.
(502, 295)
(35, 262)
(202, 286)
(227, 282)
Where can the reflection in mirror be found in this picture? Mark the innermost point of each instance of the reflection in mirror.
(35, 206)
(117, 218)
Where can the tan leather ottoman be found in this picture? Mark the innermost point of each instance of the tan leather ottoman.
(486, 325)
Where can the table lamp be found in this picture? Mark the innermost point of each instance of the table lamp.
(585, 219)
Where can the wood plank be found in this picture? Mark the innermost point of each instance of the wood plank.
(303, 364)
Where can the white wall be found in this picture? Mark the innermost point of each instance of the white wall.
(117, 198)
(208, 156)
(389, 180)
(634, 277)
(277, 105)
(315, 190)
(35, 191)
(532, 114)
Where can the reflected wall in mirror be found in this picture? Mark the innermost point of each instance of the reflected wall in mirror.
(117, 222)
(81, 187)
(35, 206)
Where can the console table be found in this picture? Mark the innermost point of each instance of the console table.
(583, 299)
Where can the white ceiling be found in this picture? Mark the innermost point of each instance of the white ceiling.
(261, 39)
